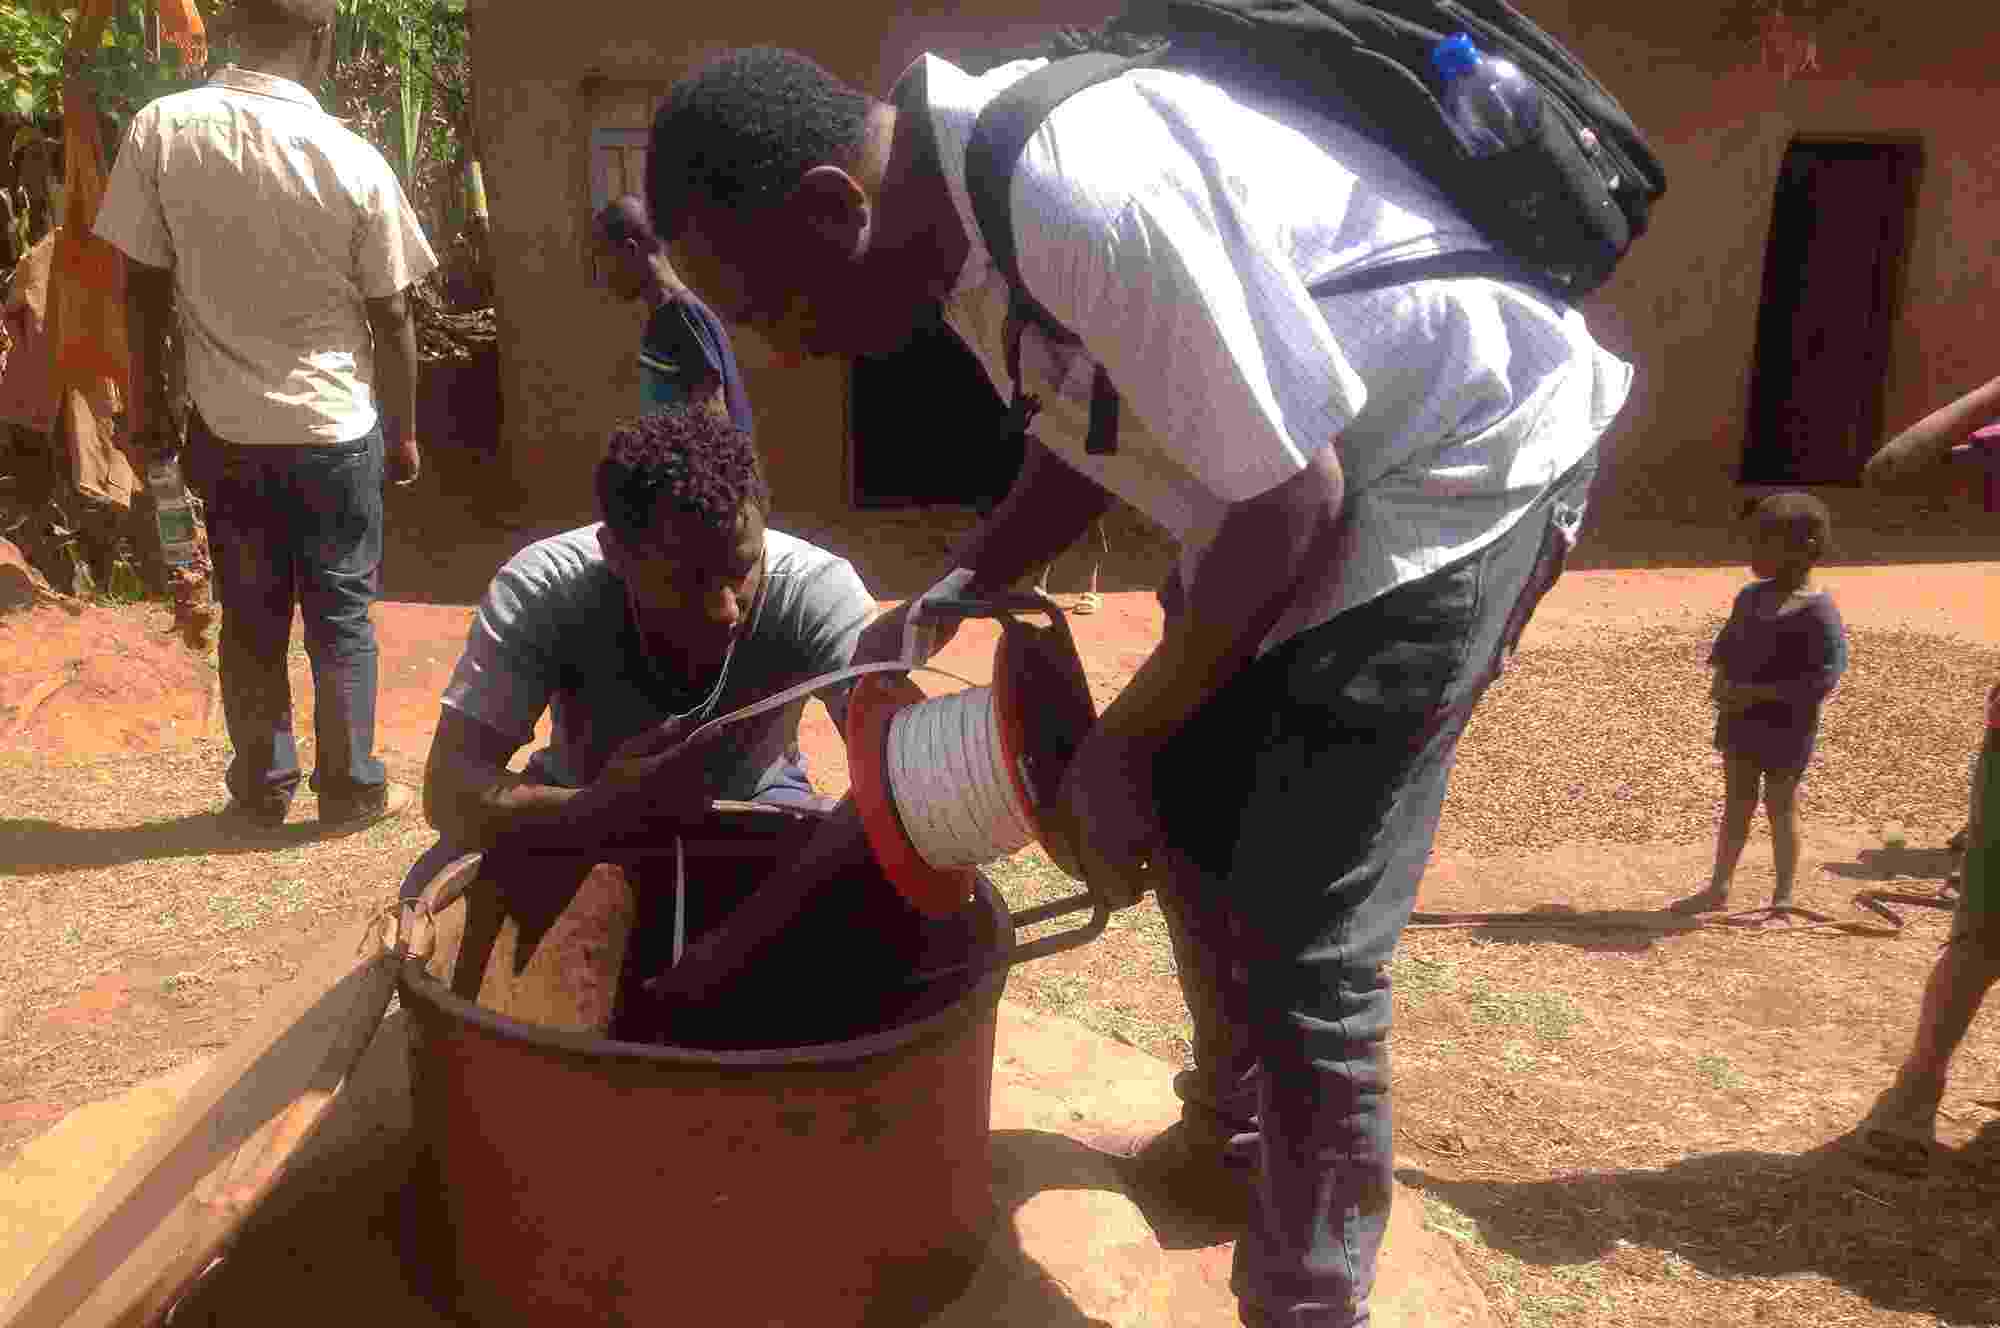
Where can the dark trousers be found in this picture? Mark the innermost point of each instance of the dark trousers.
(1336, 746)
(295, 525)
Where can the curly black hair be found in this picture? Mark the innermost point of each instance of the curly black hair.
(740, 131)
(687, 456)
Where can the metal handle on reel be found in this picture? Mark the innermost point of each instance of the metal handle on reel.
(1002, 604)
(1100, 914)
(1023, 951)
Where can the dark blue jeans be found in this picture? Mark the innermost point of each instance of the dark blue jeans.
(295, 525)
(1336, 746)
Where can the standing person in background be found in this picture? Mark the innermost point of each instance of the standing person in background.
(685, 355)
(1776, 661)
(286, 246)
(1900, 1130)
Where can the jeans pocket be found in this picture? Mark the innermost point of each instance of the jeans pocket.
(1559, 535)
(1388, 666)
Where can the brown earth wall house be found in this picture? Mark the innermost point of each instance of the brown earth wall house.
(563, 107)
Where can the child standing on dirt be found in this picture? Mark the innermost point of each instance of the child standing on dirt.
(1775, 662)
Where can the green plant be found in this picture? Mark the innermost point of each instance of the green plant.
(1550, 1014)
(1416, 978)
(33, 42)
(402, 76)
(1718, 1071)
(120, 71)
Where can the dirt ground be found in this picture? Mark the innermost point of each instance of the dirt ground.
(1620, 1118)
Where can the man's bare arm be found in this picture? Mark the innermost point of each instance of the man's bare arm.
(477, 803)
(1049, 506)
(1263, 554)
(394, 324)
(1925, 445)
(149, 312)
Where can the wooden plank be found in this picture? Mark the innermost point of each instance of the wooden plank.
(169, 1212)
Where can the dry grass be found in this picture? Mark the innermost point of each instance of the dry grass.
(1612, 742)
(119, 892)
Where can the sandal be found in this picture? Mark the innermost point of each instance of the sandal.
(1894, 1137)
(1710, 900)
(1887, 1148)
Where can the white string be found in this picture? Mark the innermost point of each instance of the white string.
(946, 768)
(947, 772)
(680, 901)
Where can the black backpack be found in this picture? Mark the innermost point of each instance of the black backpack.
(1560, 210)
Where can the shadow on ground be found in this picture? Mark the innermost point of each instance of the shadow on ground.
(34, 847)
(1195, 1217)
(1883, 864)
(1605, 930)
(1912, 1244)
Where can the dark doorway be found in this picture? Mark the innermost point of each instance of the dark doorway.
(1833, 268)
(924, 427)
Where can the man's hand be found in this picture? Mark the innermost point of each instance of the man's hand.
(405, 461)
(393, 323)
(906, 630)
(658, 776)
(882, 640)
(1106, 816)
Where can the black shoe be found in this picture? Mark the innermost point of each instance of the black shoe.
(364, 809)
(264, 816)
(1187, 1175)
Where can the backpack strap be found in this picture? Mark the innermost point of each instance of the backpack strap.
(999, 137)
(1488, 263)
(1002, 132)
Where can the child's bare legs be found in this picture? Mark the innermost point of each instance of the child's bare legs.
(1739, 806)
(1781, 804)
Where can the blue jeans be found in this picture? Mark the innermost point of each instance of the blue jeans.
(1337, 746)
(295, 525)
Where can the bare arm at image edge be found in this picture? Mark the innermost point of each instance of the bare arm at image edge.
(1925, 445)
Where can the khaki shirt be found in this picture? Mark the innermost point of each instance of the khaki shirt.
(278, 223)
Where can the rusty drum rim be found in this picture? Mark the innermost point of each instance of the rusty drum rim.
(418, 987)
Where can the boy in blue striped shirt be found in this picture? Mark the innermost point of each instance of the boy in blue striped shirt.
(685, 354)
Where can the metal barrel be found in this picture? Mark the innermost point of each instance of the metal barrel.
(836, 1177)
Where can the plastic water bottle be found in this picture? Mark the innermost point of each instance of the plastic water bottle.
(172, 511)
(1491, 105)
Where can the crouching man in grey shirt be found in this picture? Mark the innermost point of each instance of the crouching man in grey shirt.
(679, 606)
